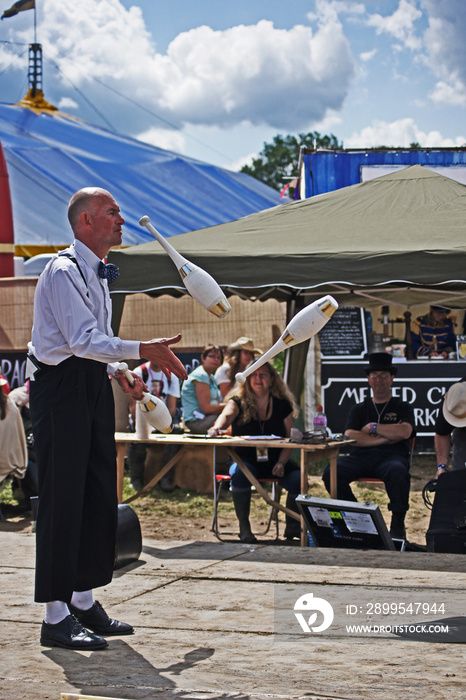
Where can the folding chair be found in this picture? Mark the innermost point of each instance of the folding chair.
(220, 480)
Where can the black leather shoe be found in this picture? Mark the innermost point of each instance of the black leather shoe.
(397, 526)
(97, 620)
(70, 634)
(247, 536)
(292, 531)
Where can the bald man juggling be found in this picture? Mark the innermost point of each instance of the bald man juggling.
(69, 363)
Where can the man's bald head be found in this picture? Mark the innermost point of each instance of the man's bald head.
(83, 201)
(96, 220)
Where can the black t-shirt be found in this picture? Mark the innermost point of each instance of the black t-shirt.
(281, 408)
(395, 411)
(442, 426)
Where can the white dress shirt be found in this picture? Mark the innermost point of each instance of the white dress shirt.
(73, 317)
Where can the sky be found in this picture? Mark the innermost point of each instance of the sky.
(216, 80)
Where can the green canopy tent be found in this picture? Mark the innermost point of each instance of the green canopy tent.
(399, 238)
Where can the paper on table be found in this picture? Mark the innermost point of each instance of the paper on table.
(262, 437)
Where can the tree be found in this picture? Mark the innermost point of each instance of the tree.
(278, 161)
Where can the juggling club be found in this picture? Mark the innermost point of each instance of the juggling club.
(303, 326)
(152, 408)
(201, 286)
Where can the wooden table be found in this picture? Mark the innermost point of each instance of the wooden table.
(308, 451)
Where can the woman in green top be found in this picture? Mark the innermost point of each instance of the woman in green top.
(201, 399)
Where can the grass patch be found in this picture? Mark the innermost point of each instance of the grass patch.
(10, 496)
(6, 493)
(186, 504)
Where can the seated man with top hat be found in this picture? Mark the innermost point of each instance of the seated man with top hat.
(433, 334)
(382, 426)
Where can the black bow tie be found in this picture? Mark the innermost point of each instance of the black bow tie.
(108, 271)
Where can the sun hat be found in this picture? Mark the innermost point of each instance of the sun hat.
(454, 405)
(380, 362)
(244, 343)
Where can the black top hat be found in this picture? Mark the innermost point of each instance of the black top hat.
(380, 362)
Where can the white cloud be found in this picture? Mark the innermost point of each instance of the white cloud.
(257, 74)
(328, 124)
(399, 133)
(367, 55)
(67, 103)
(95, 38)
(330, 9)
(442, 47)
(245, 160)
(400, 24)
(453, 94)
(167, 139)
(445, 44)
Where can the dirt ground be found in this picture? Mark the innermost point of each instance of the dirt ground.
(215, 621)
(193, 600)
(184, 515)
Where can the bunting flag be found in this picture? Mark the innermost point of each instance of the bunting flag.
(19, 6)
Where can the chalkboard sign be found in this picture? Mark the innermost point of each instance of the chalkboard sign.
(344, 336)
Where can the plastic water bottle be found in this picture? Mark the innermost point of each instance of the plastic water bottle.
(320, 422)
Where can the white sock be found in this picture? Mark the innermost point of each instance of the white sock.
(82, 599)
(55, 612)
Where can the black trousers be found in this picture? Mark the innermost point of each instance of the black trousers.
(73, 420)
(392, 469)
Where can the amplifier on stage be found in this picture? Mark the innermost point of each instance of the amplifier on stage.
(447, 527)
(345, 524)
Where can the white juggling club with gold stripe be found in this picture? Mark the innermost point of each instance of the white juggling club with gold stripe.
(303, 326)
(152, 408)
(201, 286)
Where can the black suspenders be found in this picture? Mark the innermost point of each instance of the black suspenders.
(73, 259)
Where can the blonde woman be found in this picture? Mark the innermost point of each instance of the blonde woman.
(263, 405)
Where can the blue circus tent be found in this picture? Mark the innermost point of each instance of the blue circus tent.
(49, 155)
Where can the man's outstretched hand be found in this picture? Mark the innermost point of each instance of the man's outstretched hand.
(158, 351)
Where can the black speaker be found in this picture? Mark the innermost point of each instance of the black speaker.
(128, 537)
(128, 545)
(447, 527)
